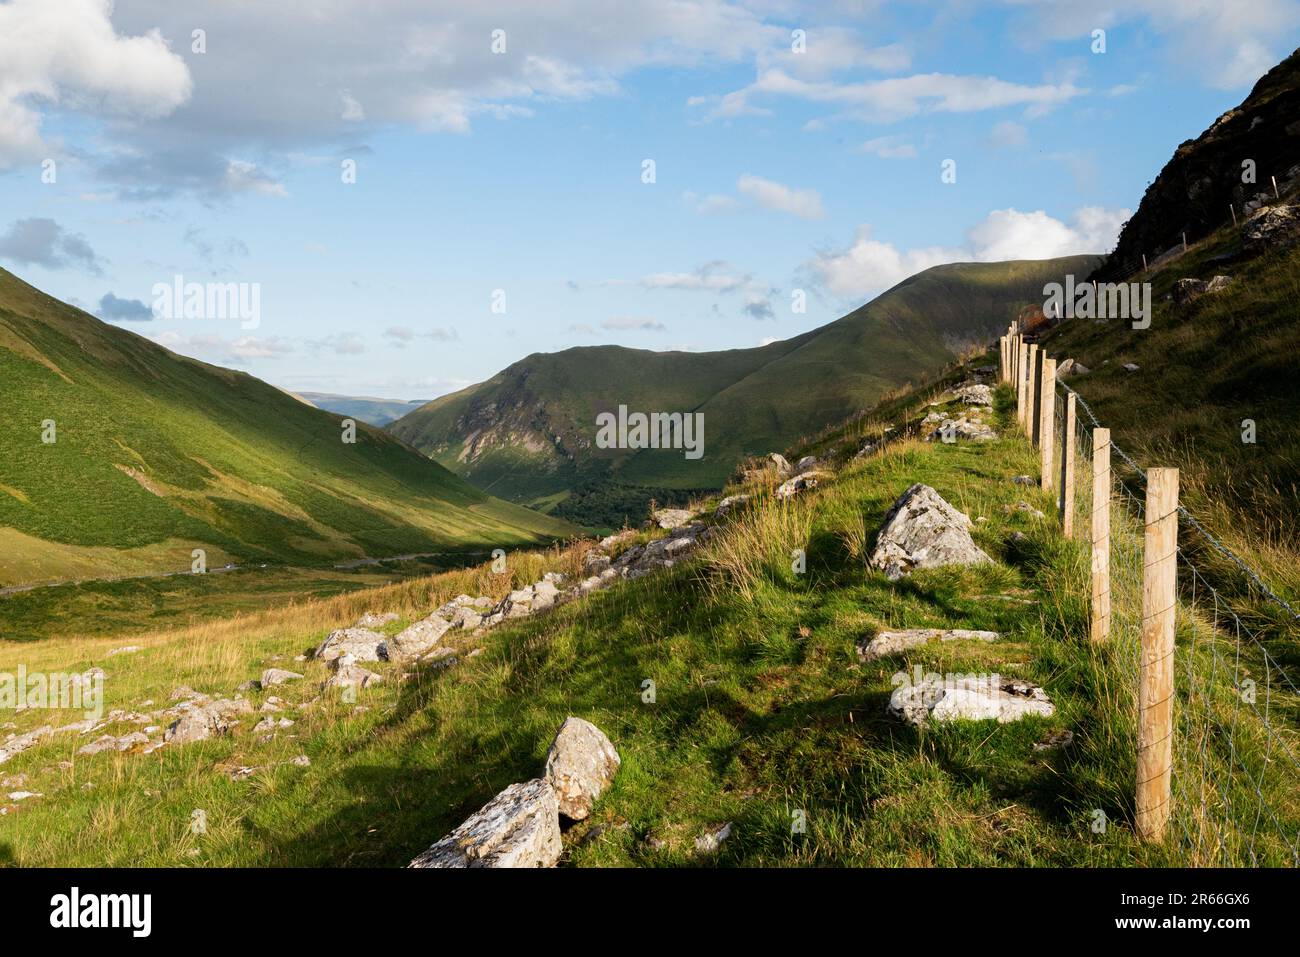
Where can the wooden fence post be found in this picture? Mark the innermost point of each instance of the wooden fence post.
(1047, 422)
(1156, 684)
(1067, 467)
(1021, 357)
(1100, 626)
(1034, 393)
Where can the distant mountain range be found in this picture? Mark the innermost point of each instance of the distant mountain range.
(374, 411)
(528, 433)
(119, 457)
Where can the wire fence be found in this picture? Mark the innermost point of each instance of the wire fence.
(1235, 774)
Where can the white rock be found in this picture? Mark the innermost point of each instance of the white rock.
(892, 642)
(710, 841)
(417, 639)
(277, 676)
(362, 643)
(924, 531)
(671, 517)
(520, 827)
(973, 698)
(580, 765)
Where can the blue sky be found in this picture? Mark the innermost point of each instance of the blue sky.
(522, 171)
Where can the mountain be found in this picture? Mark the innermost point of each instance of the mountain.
(1192, 194)
(528, 433)
(154, 454)
(1214, 390)
(375, 411)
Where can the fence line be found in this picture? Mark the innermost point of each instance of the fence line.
(1228, 742)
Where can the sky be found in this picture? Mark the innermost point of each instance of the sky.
(415, 195)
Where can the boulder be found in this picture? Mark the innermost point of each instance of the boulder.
(924, 531)
(781, 463)
(362, 643)
(961, 428)
(671, 517)
(1270, 227)
(520, 827)
(792, 487)
(349, 674)
(1189, 290)
(974, 394)
(806, 463)
(416, 640)
(892, 642)
(277, 676)
(202, 721)
(580, 765)
(970, 698)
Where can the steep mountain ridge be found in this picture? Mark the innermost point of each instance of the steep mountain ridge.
(528, 433)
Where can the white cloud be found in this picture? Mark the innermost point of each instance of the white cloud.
(1008, 135)
(869, 266)
(897, 98)
(805, 203)
(66, 54)
(633, 324)
(889, 147)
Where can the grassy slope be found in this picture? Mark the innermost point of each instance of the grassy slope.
(761, 709)
(1203, 369)
(754, 400)
(157, 454)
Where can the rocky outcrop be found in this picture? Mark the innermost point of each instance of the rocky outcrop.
(415, 640)
(781, 463)
(520, 827)
(951, 430)
(1273, 227)
(1189, 290)
(349, 674)
(669, 518)
(971, 698)
(924, 531)
(580, 765)
(202, 720)
(361, 643)
(972, 393)
(892, 642)
(730, 504)
(375, 620)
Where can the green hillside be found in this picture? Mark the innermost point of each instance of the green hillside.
(527, 434)
(156, 454)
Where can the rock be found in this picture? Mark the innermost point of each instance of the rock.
(711, 840)
(1270, 227)
(1064, 367)
(1131, 367)
(416, 640)
(277, 676)
(892, 642)
(669, 518)
(866, 450)
(730, 504)
(1079, 369)
(792, 487)
(203, 721)
(1189, 290)
(961, 428)
(21, 742)
(128, 650)
(782, 465)
(609, 541)
(349, 674)
(1025, 480)
(968, 697)
(806, 463)
(974, 394)
(594, 561)
(24, 795)
(924, 531)
(580, 765)
(373, 620)
(520, 827)
(362, 643)
(301, 761)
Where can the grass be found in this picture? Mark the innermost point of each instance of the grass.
(761, 708)
(155, 455)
